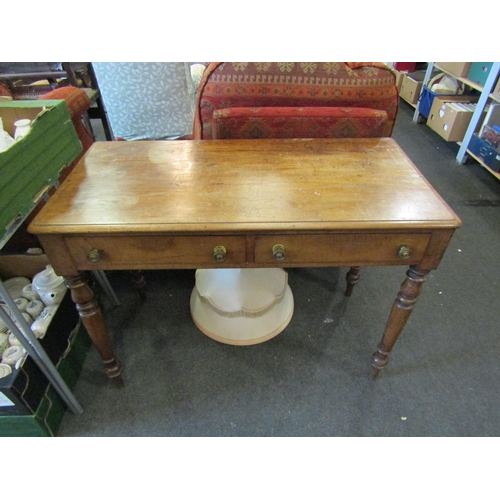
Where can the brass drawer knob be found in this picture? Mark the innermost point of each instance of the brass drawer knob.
(94, 256)
(404, 252)
(279, 253)
(220, 253)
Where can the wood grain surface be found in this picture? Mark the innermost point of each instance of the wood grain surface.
(242, 185)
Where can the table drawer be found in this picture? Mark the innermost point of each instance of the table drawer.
(154, 252)
(342, 248)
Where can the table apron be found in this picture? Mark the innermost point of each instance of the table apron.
(244, 250)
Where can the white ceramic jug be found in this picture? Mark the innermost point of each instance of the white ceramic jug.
(22, 128)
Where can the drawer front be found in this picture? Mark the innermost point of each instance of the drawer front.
(341, 249)
(155, 252)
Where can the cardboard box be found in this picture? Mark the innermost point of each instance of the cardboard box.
(411, 86)
(427, 98)
(460, 69)
(34, 162)
(492, 117)
(399, 78)
(450, 118)
(26, 265)
(479, 71)
(485, 152)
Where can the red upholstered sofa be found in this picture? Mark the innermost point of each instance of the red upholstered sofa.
(295, 100)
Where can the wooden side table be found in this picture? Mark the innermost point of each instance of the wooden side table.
(267, 203)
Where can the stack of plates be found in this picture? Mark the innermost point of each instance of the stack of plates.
(241, 306)
(15, 286)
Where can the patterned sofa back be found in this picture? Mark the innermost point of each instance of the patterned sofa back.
(309, 90)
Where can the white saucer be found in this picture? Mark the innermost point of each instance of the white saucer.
(259, 306)
(15, 286)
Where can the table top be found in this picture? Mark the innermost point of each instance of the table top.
(244, 185)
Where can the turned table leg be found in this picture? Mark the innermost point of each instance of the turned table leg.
(92, 318)
(139, 282)
(352, 277)
(401, 310)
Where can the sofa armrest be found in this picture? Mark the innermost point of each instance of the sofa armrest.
(78, 103)
(77, 100)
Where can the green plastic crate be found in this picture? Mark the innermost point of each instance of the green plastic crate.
(34, 162)
(50, 412)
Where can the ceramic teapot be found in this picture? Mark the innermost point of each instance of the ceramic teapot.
(49, 286)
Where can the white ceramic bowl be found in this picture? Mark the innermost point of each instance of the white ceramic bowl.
(27, 318)
(13, 340)
(12, 354)
(21, 303)
(35, 308)
(30, 293)
(5, 370)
